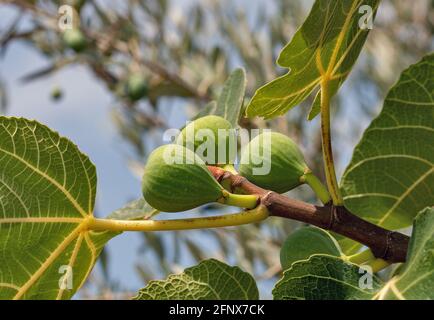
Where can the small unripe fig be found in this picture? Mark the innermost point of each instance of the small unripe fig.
(75, 39)
(56, 94)
(273, 161)
(136, 87)
(212, 138)
(176, 179)
(307, 241)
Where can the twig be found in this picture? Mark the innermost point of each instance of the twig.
(385, 244)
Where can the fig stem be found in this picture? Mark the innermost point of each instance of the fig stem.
(366, 257)
(378, 265)
(250, 216)
(230, 168)
(329, 166)
(317, 186)
(361, 257)
(248, 201)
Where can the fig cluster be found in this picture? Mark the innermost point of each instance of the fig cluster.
(177, 178)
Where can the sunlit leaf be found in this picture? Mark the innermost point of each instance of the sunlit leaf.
(209, 280)
(47, 195)
(325, 48)
(230, 101)
(391, 175)
(325, 277)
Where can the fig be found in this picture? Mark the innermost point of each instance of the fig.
(75, 39)
(56, 94)
(307, 241)
(136, 87)
(273, 161)
(176, 179)
(212, 138)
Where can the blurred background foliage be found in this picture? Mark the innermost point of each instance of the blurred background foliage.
(185, 50)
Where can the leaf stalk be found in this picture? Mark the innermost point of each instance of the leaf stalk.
(329, 165)
(248, 201)
(317, 186)
(250, 216)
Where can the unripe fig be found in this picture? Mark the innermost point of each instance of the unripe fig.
(305, 242)
(176, 179)
(75, 39)
(212, 138)
(56, 94)
(136, 87)
(273, 161)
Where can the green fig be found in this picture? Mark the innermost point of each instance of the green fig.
(212, 138)
(136, 87)
(176, 179)
(273, 161)
(307, 241)
(75, 39)
(56, 94)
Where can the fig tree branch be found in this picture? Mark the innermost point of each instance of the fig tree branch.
(385, 244)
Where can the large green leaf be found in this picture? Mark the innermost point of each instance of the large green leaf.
(209, 280)
(305, 242)
(416, 279)
(230, 101)
(47, 195)
(323, 277)
(391, 175)
(325, 47)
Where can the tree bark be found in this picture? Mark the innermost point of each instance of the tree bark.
(385, 244)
